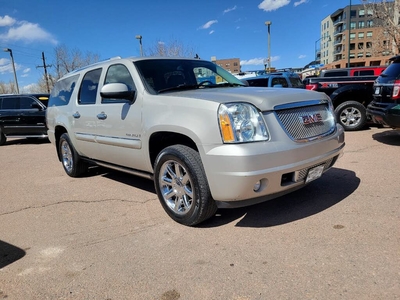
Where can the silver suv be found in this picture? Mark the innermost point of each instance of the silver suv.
(204, 137)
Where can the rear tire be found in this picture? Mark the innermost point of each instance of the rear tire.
(70, 159)
(182, 186)
(351, 115)
(3, 138)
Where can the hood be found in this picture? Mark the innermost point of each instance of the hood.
(263, 98)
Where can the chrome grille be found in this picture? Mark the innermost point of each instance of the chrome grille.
(307, 122)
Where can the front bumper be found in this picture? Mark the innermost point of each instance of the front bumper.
(384, 113)
(279, 167)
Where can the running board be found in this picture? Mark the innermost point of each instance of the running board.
(120, 168)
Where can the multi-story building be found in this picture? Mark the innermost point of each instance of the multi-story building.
(231, 64)
(352, 36)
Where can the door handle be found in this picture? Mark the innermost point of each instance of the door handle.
(102, 116)
(76, 115)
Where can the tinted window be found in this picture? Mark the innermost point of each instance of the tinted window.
(118, 74)
(296, 82)
(393, 70)
(10, 103)
(262, 82)
(62, 91)
(279, 81)
(337, 73)
(88, 91)
(26, 103)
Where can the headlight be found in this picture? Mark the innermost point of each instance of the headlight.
(240, 123)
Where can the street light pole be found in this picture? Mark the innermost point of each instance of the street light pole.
(139, 37)
(348, 50)
(13, 65)
(268, 23)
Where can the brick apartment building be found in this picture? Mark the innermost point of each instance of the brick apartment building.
(231, 64)
(369, 44)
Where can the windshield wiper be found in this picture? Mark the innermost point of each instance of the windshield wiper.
(179, 87)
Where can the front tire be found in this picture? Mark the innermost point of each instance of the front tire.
(70, 159)
(351, 115)
(182, 186)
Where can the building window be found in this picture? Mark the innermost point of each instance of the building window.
(370, 23)
(353, 25)
(352, 46)
(353, 14)
(352, 36)
(370, 13)
(361, 13)
(361, 35)
(352, 55)
(360, 45)
(368, 54)
(360, 54)
(361, 24)
(369, 34)
(369, 45)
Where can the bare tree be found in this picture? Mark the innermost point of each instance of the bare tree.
(385, 13)
(68, 60)
(174, 48)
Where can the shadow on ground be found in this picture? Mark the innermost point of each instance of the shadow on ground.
(9, 254)
(388, 137)
(335, 186)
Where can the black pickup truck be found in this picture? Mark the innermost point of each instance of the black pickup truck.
(350, 96)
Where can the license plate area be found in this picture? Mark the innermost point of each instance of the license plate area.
(314, 173)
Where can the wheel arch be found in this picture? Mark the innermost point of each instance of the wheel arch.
(361, 94)
(162, 139)
(58, 131)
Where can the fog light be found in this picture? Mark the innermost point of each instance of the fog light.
(257, 186)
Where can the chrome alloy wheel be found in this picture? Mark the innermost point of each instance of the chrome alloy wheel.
(350, 116)
(66, 156)
(176, 187)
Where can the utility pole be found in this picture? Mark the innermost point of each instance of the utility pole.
(45, 71)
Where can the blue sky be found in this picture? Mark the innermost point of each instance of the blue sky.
(224, 28)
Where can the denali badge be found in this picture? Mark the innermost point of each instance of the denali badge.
(311, 119)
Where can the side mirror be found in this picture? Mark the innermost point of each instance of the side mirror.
(117, 91)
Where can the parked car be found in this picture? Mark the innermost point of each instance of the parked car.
(205, 144)
(278, 79)
(353, 71)
(385, 106)
(23, 116)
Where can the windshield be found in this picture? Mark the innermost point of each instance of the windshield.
(161, 75)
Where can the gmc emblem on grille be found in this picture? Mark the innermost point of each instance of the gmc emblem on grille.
(311, 119)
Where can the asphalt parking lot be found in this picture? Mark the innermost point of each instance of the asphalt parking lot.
(105, 236)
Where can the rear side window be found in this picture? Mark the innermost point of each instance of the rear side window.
(9, 103)
(296, 82)
(259, 82)
(88, 91)
(393, 70)
(335, 74)
(62, 91)
(364, 73)
(279, 81)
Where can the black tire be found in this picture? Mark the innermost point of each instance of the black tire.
(351, 115)
(71, 161)
(2, 138)
(182, 186)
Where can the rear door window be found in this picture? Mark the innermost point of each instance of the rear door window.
(10, 103)
(89, 86)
